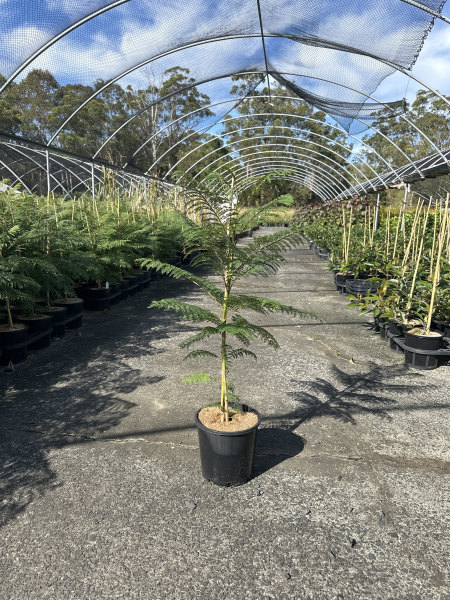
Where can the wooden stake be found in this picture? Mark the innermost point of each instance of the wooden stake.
(396, 237)
(437, 270)
(408, 306)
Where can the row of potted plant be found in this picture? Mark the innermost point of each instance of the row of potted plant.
(399, 271)
(56, 253)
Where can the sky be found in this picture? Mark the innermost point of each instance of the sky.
(432, 66)
(135, 30)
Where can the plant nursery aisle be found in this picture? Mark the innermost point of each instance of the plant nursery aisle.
(102, 494)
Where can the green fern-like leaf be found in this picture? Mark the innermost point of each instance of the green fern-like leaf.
(189, 312)
(200, 377)
(200, 354)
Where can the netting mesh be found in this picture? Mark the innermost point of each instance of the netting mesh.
(111, 86)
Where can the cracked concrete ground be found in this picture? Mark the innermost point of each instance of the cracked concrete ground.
(350, 497)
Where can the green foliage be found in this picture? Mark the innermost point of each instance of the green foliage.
(211, 243)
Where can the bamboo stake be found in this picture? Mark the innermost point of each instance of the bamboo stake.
(396, 237)
(349, 230)
(388, 229)
(414, 225)
(438, 264)
(408, 306)
(434, 240)
(344, 236)
(365, 227)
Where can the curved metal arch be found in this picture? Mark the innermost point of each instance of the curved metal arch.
(180, 119)
(146, 62)
(222, 38)
(435, 14)
(328, 174)
(328, 182)
(17, 149)
(324, 173)
(50, 43)
(298, 179)
(294, 129)
(273, 160)
(243, 117)
(16, 176)
(356, 119)
(274, 137)
(295, 74)
(295, 139)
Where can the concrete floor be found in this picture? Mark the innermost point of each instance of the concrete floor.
(99, 459)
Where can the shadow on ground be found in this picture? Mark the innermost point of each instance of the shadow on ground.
(343, 397)
(73, 392)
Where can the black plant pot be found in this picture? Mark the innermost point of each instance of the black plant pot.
(443, 327)
(58, 315)
(11, 337)
(360, 287)
(116, 293)
(341, 278)
(38, 324)
(98, 298)
(74, 308)
(147, 279)
(125, 283)
(140, 276)
(396, 328)
(227, 456)
(134, 280)
(423, 342)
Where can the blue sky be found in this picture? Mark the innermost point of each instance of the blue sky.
(138, 29)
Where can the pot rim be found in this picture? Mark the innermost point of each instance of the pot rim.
(426, 337)
(229, 433)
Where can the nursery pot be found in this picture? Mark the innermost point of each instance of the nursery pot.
(38, 324)
(98, 298)
(74, 307)
(133, 281)
(423, 342)
(116, 289)
(341, 278)
(125, 284)
(10, 337)
(227, 456)
(58, 315)
(396, 328)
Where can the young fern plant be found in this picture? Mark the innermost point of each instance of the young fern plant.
(212, 245)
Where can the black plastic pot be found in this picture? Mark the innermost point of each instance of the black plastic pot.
(38, 324)
(147, 279)
(360, 287)
(58, 315)
(341, 278)
(227, 456)
(423, 342)
(98, 299)
(134, 280)
(11, 338)
(443, 327)
(140, 276)
(396, 328)
(125, 283)
(394, 346)
(422, 362)
(74, 307)
(116, 293)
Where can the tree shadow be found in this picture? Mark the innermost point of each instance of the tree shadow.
(75, 390)
(344, 397)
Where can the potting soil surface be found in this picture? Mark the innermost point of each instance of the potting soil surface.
(101, 488)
